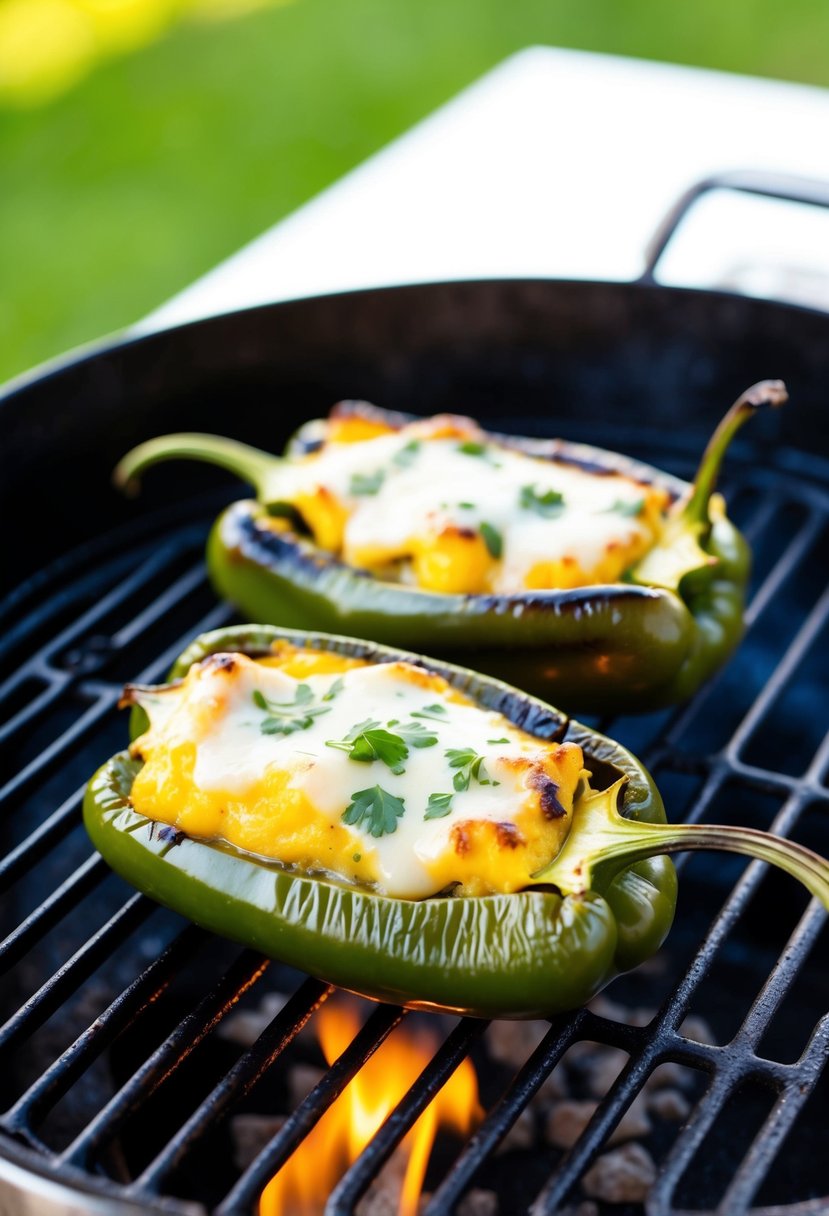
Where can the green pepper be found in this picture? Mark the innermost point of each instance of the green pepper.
(602, 906)
(643, 643)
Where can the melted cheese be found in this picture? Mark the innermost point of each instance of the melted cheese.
(212, 772)
(438, 504)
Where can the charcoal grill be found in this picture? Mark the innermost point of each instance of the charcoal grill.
(116, 1083)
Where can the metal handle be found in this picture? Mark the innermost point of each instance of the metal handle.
(787, 188)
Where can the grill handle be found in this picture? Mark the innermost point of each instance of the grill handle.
(788, 188)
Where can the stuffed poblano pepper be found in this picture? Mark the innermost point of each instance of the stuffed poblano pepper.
(579, 575)
(403, 828)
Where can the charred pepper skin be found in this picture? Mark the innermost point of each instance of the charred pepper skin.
(525, 955)
(631, 646)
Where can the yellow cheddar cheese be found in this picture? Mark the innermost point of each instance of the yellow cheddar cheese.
(378, 774)
(440, 504)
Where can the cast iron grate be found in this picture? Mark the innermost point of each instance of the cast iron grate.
(752, 738)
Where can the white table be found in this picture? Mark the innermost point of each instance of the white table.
(557, 163)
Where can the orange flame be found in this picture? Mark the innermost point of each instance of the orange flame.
(304, 1183)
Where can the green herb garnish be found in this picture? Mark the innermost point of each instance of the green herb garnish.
(549, 504)
(366, 483)
(286, 717)
(498, 740)
(493, 540)
(471, 447)
(629, 508)
(438, 806)
(376, 807)
(470, 767)
(335, 689)
(415, 734)
(437, 712)
(467, 506)
(368, 741)
(407, 455)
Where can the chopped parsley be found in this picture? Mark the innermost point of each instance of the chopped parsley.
(415, 734)
(436, 712)
(627, 507)
(407, 455)
(286, 717)
(549, 504)
(366, 483)
(376, 808)
(438, 806)
(504, 740)
(357, 857)
(335, 689)
(368, 741)
(493, 540)
(467, 506)
(470, 767)
(474, 447)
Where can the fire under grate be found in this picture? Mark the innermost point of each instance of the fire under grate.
(113, 1010)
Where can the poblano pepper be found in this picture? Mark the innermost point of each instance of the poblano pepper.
(647, 640)
(603, 905)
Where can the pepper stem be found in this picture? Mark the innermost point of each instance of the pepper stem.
(767, 393)
(253, 466)
(601, 843)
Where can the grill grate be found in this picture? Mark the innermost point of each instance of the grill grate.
(63, 685)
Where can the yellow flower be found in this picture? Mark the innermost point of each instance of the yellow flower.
(46, 46)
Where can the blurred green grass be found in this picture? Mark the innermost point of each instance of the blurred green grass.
(158, 165)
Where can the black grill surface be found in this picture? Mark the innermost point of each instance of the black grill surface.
(114, 1075)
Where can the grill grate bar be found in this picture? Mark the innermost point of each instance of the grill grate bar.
(167, 1058)
(782, 570)
(676, 1005)
(816, 773)
(239, 1080)
(762, 514)
(103, 703)
(376, 1030)
(358, 1178)
(159, 607)
(70, 976)
(768, 782)
(45, 836)
(782, 976)
(793, 1083)
(792, 657)
(740, 1059)
(93, 871)
(40, 662)
(46, 601)
(122, 1012)
(760, 1156)
(594, 1138)
(43, 764)
(504, 1113)
(767, 1142)
(685, 1147)
(33, 710)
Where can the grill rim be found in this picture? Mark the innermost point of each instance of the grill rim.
(21, 1166)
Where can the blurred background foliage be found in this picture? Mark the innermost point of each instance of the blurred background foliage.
(141, 141)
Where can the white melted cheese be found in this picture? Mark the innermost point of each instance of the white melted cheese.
(438, 486)
(233, 753)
